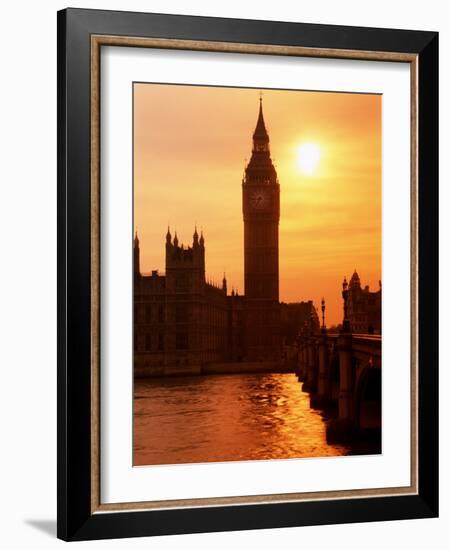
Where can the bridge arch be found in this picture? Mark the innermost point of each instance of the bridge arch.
(368, 399)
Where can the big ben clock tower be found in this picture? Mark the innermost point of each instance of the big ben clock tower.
(261, 209)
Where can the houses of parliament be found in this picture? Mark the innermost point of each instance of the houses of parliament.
(183, 322)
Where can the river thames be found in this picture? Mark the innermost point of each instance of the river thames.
(226, 417)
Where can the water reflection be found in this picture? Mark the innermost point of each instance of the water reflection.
(226, 417)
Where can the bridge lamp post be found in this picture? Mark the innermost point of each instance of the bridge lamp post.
(324, 381)
(346, 322)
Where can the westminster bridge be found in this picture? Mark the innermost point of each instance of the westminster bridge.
(342, 374)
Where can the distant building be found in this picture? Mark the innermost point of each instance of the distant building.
(295, 317)
(364, 307)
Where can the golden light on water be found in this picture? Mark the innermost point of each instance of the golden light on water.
(222, 417)
(308, 158)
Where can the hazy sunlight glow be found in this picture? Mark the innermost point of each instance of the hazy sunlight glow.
(308, 157)
(188, 162)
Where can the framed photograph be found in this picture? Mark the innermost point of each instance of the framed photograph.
(247, 256)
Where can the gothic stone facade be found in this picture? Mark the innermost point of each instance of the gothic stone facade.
(180, 320)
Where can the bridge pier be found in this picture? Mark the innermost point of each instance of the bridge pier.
(323, 396)
(302, 362)
(343, 427)
(310, 384)
(346, 404)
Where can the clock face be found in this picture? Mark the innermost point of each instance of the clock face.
(259, 200)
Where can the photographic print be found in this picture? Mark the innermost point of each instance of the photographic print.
(257, 274)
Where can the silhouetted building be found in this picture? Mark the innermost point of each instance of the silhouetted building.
(261, 210)
(180, 319)
(295, 317)
(183, 322)
(364, 307)
(236, 327)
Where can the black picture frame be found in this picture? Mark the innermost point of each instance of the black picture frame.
(75, 518)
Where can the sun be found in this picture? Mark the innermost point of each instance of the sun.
(308, 157)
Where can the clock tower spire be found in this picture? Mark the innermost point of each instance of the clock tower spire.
(260, 168)
(261, 211)
(260, 134)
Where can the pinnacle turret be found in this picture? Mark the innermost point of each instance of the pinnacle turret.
(355, 280)
(136, 256)
(224, 283)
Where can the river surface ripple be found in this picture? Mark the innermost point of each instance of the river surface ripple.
(226, 417)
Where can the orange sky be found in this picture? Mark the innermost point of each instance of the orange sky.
(190, 146)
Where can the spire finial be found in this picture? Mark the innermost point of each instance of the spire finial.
(195, 235)
(260, 134)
